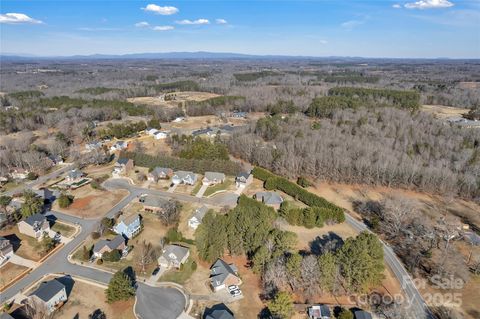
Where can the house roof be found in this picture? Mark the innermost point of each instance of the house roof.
(214, 176)
(243, 175)
(360, 314)
(200, 212)
(75, 173)
(472, 238)
(48, 289)
(269, 198)
(220, 271)
(35, 218)
(319, 311)
(127, 220)
(161, 170)
(4, 242)
(219, 314)
(183, 174)
(123, 161)
(178, 251)
(112, 244)
(202, 131)
(154, 201)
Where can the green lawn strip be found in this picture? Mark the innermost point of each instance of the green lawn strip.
(219, 187)
(196, 188)
(63, 229)
(180, 276)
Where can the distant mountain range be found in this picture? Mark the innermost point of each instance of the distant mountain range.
(181, 55)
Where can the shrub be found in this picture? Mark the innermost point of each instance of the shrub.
(112, 256)
(99, 261)
(65, 200)
(95, 235)
(32, 176)
(302, 181)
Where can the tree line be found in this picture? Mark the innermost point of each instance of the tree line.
(199, 166)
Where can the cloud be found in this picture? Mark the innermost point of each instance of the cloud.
(190, 22)
(429, 4)
(396, 6)
(142, 24)
(17, 18)
(323, 41)
(221, 21)
(98, 29)
(166, 11)
(352, 24)
(163, 28)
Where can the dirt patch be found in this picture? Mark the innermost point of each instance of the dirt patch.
(84, 299)
(444, 112)
(176, 98)
(9, 272)
(91, 203)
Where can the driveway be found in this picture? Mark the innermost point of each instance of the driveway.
(159, 302)
(201, 191)
(17, 260)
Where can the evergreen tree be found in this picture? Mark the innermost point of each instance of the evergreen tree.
(120, 287)
(282, 305)
(32, 204)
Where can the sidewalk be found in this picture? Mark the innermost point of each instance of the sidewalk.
(17, 260)
(201, 191)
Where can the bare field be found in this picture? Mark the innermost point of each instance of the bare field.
(91, 203)
(444, 112)
(178, 97)
(8, 272)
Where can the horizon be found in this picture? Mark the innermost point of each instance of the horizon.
(424, 29)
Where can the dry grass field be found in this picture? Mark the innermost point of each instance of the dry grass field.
(444, 112)
(8, 272)
(178, 97)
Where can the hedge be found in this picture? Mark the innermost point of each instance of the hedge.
(329, 211)
(175, 163)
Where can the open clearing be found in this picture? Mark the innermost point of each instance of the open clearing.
(444, 112)
(177, 97)
(91, 203)
(8, 272)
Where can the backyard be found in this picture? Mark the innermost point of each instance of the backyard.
(8, 272)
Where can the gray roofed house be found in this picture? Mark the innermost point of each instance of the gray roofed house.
(51, 293)
(122, 165)
(197, 217)
(6, 250)
(102, 246)
(223, 275)
(207, 131)
(243, 179)
(212, 178)
(184, 177)
(219, 314)
(319, 312)
(34, 226)
(269, 198)
(360, 314)
(173, 256)
(74, 174)
(155, 204)
(119, 145)
(159, 173)
(47, 194)
(472, 238)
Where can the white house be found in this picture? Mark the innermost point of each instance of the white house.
(319, 312)
(6, 250)
(151, 131)
(173, 256)
(197, 217)
(118, 146)
(179, 119)
(184, 177)
(212, 178)
(50, 293)
(243, 179)
(160, 135)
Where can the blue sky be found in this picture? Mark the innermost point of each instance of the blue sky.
(411, 28)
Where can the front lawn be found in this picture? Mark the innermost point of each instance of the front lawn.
(219, 187)
(64, 229)
(196, 188)
(180, 276)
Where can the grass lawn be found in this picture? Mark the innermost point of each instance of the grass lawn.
(196, 188)
(24, 246)
(64, 229)
(219, 187)
(180, 276)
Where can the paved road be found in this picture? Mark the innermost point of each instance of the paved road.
(222, 199)
(166, 300)
(414, 298)
(42, 179)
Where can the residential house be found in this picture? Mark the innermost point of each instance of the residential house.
(243, 179)
(159, 173)
(360, 314)
(472, 238)
(6, 250)
(104, 245)
(184, 177)
(269, 198)
(213, 178)
(93, 146)
(34, 226)
(74, 175)
(223, 275)
(151, 131)
(160, 135)
(238, 114)
(51, 293)
(319, 312)
(118, 146)
(218, 312)
(173, 256)
(178, 119)
(55, 159)
(19, 173)
(197, 217)
(206, 131)
(128, 226)
(122, 166)
(47, 195)
(154, 204)
(3, 180)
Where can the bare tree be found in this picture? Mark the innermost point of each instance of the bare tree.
(37, 309)
(145, 255)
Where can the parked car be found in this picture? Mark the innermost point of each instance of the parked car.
(232, 288)
(236, 293)
(155, 271)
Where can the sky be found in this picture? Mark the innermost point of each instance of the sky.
(401, 29)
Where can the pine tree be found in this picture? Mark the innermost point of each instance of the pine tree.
(120, 287)
(282, 305)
